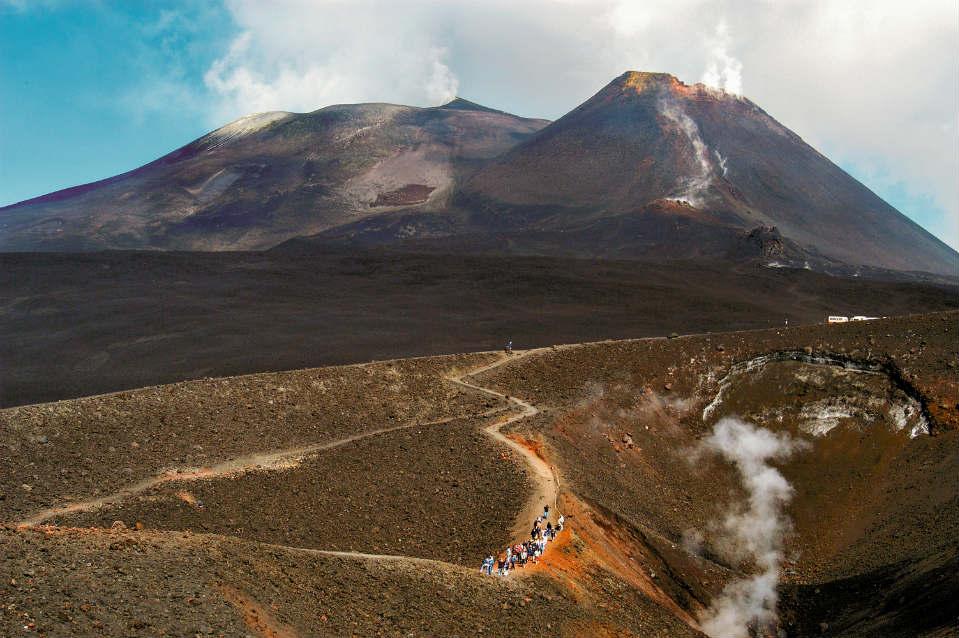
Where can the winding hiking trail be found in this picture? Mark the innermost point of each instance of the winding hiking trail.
(262, 461)
(545, 482)
(544, 489)
(544, 478)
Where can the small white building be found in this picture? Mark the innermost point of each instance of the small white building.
(836, 319)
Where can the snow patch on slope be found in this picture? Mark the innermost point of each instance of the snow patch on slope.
(215, 185)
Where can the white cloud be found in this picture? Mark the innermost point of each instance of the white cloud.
(299, 55)
(871, 85)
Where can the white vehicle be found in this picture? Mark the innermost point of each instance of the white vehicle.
(863, 318)
(836, 319)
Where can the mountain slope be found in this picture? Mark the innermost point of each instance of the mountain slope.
(648, 145)
(268, 177)
(647, 168)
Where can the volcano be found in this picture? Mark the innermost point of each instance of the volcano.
(648, 168)
(268, 177)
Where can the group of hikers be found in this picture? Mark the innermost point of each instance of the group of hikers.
(518, 555)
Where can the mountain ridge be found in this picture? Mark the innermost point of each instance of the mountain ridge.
(647, 167)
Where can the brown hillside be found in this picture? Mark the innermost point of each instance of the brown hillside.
(397, 461)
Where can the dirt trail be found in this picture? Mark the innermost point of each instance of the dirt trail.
(545, 479)
(256, 616)
(261, 461)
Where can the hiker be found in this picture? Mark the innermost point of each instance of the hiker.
(487, 567)
(546, 512)
(559, 522)
(509, 347)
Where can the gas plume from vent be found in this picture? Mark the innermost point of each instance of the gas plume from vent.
(695, 186)
(752, 532)
(723, 71)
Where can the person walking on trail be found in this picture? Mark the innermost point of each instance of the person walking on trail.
(487, 567)
(546, 512)
(509, 347)
(559, 523)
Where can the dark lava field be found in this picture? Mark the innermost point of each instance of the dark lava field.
(80, 324)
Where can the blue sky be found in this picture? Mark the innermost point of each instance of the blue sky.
(82, 88)
(91, 89)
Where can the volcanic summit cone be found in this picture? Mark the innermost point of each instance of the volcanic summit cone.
(648, 153)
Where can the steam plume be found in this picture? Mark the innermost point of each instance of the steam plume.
(723, 71)
(694, 187)
(753, 531)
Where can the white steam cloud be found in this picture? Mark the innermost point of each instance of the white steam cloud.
(753, 531)
(723, 71)
(695, 186)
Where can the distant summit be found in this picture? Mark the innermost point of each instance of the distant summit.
(463, 104)
(643, 80)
